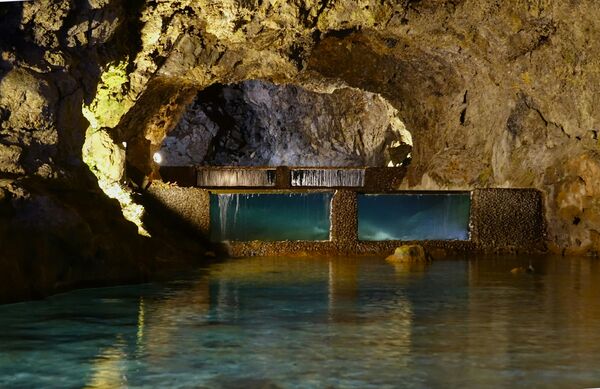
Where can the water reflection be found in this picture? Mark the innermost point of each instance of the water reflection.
(109, 367)
(303, 322)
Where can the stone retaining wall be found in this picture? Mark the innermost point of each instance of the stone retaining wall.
(508, 219)
(501, 220)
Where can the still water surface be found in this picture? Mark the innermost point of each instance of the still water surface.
(317, 323)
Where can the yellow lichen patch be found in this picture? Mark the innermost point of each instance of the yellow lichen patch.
(104, 157)
(111, 101)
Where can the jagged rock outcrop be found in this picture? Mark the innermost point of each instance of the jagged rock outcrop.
(493, 93)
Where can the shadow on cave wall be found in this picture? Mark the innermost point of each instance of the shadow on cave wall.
(10, 14)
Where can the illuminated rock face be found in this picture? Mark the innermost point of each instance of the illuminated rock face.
(257, 123)
(494, 94)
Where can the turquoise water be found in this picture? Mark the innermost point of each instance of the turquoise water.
(269, 216)
(433, 216)
(317, 323)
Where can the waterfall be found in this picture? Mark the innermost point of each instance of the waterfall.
(233, 177)
(406, 216)
(329, 178)
(270, 216)
(224, 201)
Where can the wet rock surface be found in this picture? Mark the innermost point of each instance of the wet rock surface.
(494, 94)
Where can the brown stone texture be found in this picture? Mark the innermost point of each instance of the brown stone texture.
(505, 219)
(344, 223)
(381, 179)
(191, 206)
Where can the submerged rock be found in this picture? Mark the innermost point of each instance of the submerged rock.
(522, 269)
(409, 253)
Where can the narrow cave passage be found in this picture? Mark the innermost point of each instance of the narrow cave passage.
(257, 123)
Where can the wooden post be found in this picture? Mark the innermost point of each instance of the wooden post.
(283, 179)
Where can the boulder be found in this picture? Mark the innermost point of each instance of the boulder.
(522, 270)
(409, 253)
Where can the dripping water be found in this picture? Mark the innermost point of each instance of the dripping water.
(328, 178)
(236, 177)
(413, 217)
(270, 217)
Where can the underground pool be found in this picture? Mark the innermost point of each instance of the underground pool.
(318, 323)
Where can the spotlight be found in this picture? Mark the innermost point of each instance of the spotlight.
(124, 144)
(157, 157)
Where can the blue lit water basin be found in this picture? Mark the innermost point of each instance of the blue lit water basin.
(270, 216)
(316, 323)
(411, 216)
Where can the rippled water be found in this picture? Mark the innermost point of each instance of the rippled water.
(317, 323)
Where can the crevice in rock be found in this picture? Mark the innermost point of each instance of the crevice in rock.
(341, 34)
(463, 115)
(529, 104)
(322, 8)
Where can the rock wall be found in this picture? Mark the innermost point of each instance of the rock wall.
(58, 230)
(494, 93)
(257, 123)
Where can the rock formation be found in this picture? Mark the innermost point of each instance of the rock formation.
(493, 93)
